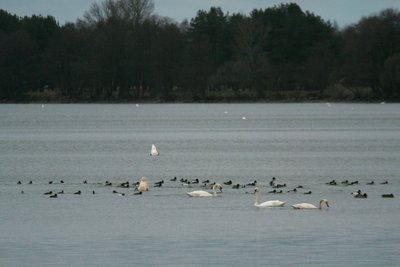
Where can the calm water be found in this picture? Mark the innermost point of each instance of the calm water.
(299, 144)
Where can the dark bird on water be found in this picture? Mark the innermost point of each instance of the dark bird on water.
(253, 183)
(272, 182)
(159, 184)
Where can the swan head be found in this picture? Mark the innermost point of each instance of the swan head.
(256, 190)
(325, 201)
(217, 187)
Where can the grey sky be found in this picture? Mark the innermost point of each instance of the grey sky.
(344, 12)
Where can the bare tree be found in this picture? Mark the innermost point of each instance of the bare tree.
(132, 11)
(136, 11)
(102, 12)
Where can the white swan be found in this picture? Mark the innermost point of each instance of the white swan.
(266, 204)
(201, 193)
(311, 206)
(154, 152)
(143, 185)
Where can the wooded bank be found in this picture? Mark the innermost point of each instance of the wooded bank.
(120, 51)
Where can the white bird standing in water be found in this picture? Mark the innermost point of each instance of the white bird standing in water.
(154, 151)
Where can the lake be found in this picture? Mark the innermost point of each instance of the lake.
(299, 144)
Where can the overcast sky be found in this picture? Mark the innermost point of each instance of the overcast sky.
(344, 12)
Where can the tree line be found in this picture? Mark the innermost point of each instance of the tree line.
(121, 51)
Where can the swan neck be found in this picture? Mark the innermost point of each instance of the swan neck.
(320, 203)
(215, 187)
(214, 190)
(257, 198)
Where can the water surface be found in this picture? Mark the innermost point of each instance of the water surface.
(299, 144)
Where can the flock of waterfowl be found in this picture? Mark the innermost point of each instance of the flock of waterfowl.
(143, 186)
(359, 193)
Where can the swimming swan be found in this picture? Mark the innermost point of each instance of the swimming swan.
(201, 193)
(143, 185)
(266, 204)
(310, 206)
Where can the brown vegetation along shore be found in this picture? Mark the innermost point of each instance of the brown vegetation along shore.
(338, 93)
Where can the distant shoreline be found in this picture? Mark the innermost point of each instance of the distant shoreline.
(345, 95)
(322, 101)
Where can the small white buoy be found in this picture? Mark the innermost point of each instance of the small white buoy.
(226, 112)
(42, 105)
(137, 105)
(243, 118)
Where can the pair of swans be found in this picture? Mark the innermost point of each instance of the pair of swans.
(278, 203)
(201, 193)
